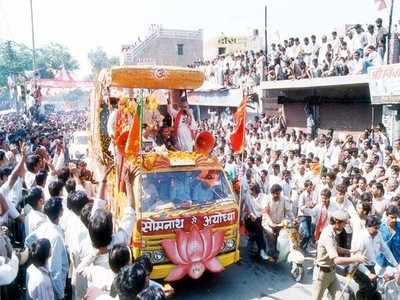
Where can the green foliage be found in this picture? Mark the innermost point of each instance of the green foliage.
(17, 59)
(99, 59)
(14, 59)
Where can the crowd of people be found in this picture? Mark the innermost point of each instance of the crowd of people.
(342, 191)
(346, 187)
(352, 53)
(59, 239)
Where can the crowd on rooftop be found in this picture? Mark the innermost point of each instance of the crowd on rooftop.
(350, 53)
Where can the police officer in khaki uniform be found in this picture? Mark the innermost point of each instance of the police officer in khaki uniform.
(324, 276)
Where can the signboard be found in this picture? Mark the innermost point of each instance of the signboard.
(226, 98)
(201, 220)
(231, 40)
(219, 98)
(384, 84)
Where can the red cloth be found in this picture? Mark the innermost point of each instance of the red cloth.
(237, 138)
(322, 219)
(381, 4)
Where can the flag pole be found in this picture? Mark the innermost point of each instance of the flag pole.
(242, 157)
(33, 43)
(390, 31)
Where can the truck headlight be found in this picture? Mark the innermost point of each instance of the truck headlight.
(229, 245)
(156, 256)
(159, 256)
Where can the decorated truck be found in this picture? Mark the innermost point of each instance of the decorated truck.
(186, 211)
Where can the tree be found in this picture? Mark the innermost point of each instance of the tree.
(16, 59)
(99, 59)
(53, 57)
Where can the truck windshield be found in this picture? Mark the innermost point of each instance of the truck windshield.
(183, 189)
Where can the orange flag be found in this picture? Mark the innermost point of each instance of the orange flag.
(121, 132)
(133, 142)
(238, 136)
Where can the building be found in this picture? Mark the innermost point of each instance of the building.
(227, 44)
(165, 47)
(342, 103)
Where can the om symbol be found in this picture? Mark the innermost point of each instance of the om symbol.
(160, 73)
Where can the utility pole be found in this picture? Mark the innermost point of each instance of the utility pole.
(390, 31)
(33, 43)
(265, 32)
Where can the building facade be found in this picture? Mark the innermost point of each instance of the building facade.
(165, 47)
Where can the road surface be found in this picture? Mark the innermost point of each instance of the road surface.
(249, 279)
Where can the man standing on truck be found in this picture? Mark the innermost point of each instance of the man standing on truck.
(184, 121)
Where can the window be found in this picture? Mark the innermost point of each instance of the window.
(184, 189)
(180, 49)
(221, 50)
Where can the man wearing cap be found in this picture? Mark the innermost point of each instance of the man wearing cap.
(370, 243)
(324, 276)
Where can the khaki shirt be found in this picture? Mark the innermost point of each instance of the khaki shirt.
(327, 248)
(277, 211)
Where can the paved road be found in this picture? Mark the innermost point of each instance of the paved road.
(249, 279)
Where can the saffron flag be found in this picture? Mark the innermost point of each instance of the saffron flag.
(237, 138)
(132, 147)
(121, 131)
(381, 4)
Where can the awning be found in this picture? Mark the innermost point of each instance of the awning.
(64, 80)
(60, 84)
(224, 98)
(333, 81)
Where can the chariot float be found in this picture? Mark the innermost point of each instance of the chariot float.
(186, 211)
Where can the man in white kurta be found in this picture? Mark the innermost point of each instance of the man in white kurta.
(184, 125)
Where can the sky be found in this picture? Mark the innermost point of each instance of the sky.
(82, 25)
